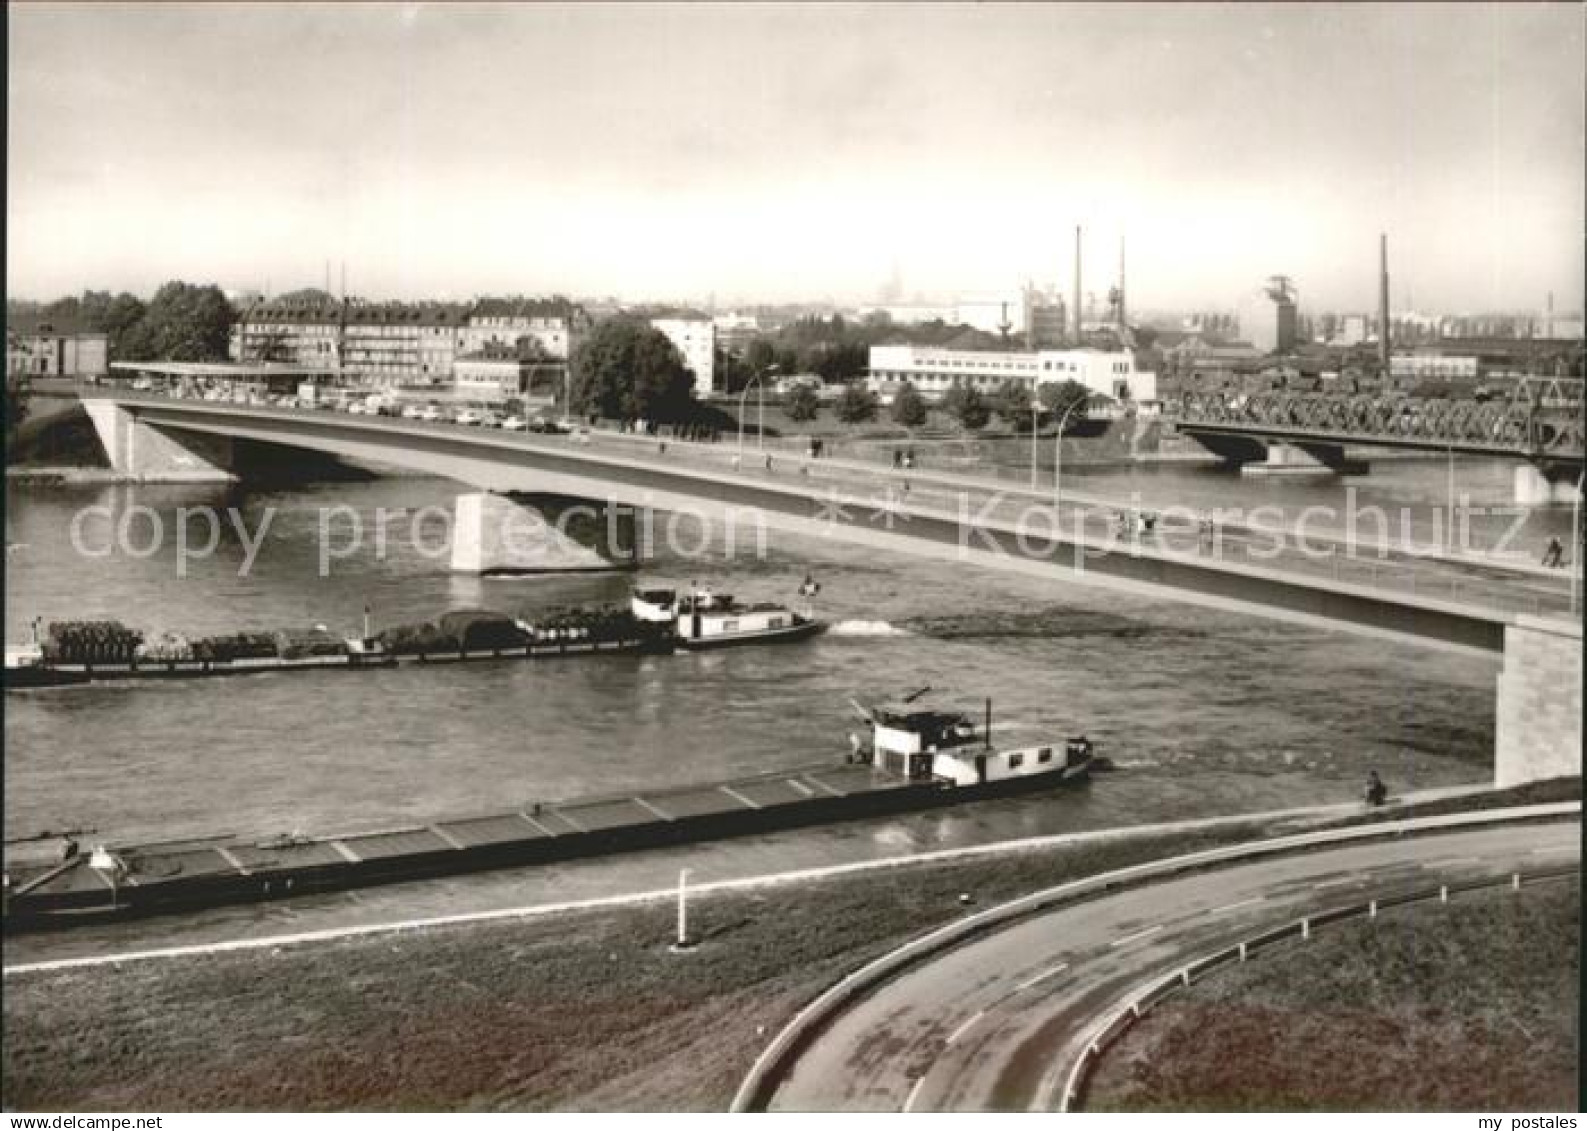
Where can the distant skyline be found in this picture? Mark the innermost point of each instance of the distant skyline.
(782, 152)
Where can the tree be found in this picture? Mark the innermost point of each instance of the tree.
(802, 403)
(909, 407)
(18, 392)
(856, 405)
(1061, 397)
(1012, 403)
(183, 322)
(966, 405)
(626, 370)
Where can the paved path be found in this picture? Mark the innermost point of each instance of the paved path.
(994, 1024)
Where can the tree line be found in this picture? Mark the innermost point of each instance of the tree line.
(182, 322)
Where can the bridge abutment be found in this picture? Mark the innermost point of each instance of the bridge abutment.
(138, 450)
(496, 533)
(1535, 487)
(1538, 720)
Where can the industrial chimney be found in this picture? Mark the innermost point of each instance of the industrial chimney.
(1383, 303)
(1124, 320)
(1077, 285)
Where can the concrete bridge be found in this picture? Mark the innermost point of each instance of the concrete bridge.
(161, 438)
(1538, 424)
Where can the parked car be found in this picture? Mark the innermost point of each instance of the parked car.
(466, 416)
(514, 423)
(432, 414)
(413, 412)
(489, 419)
(142, 385)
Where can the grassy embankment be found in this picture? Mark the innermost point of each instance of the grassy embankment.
(579, 1010)
(1466, 1007)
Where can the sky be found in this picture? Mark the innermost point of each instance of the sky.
(784, 152)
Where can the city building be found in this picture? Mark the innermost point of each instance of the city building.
(495, 372)
(1433, 365)
(556, 324)
(695, 336)
(1267, 318)
(932, 370)
(735, 331)
(394, 343)
(45, 346)
(1046, 318)
(996, 314)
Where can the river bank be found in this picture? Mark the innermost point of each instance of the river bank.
(577, 1010)
(1465, 1007)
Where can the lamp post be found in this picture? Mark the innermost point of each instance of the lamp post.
(1575, 545)
(1058, 452)
(760, 408)
(1035, 419)
(743, 397)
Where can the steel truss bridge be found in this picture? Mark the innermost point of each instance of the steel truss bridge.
(1540, 419)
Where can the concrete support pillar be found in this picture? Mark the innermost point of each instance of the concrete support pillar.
(1287, 459)
(140, 451)
(1537, 726)
(502, 534)
(1305, 459)
(1533, 488)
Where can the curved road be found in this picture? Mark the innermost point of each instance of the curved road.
(994, 1025)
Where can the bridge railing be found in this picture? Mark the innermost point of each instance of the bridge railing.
(1541, 428)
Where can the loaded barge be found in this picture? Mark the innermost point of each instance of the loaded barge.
(657, 621)
(918, 758)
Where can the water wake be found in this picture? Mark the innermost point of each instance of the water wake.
(866, 628)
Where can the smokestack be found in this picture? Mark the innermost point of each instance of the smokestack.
(1383, 302)
(1123, 320)
(1077, 285)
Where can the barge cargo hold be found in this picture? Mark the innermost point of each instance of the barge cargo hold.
(124, 882)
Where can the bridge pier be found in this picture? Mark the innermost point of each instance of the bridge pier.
(514, 534)
(1284, 458)
(1536, 487)
(143, 452)
(1538, 722)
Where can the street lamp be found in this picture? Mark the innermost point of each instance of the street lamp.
(1575, 546)
(760, 409)
(1058, 451)
(1035, 419)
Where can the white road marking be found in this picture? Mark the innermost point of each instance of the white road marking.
(1451, 861)
(654, 810)
(1320, 884)
(1235, 906)
(737, 796)
(801, 787)
(909, 1100)
(346, 853)
(446, 836)
(967, 1026)
(1051, 971)
(1552, 849)
(230, 857)
(1137, 935)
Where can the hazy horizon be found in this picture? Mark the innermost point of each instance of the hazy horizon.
(778, 153)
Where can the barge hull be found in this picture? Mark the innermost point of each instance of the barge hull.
(555, 833)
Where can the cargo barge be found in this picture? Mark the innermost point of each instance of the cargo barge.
(657, 621)
(918, 759)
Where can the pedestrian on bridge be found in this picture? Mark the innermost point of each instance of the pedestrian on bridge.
(1554, 555)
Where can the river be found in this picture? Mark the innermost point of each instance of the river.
(1204, 712)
